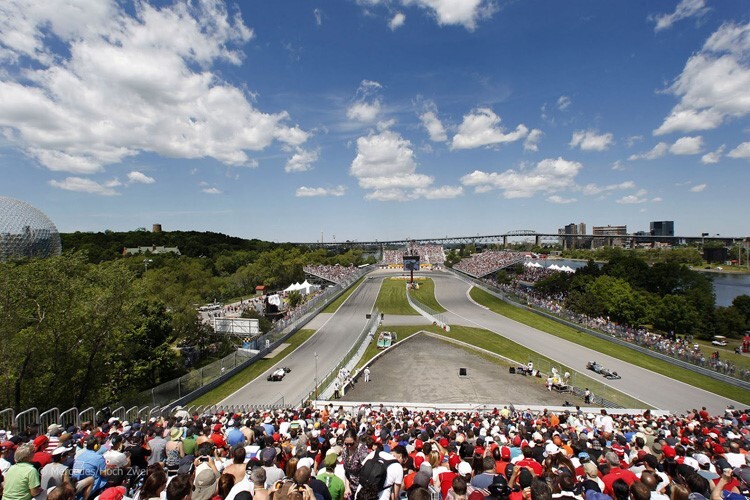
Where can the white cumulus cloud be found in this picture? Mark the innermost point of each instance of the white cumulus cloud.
(122, 83)
(212, 190)
(590, 140)
(304, 191)
(714, 84)
(481, 127)
(685, 9)
(136, 177)
(301, 160)
(84, 185)
(548, 176)
(656, 152)
(531, 143)
(698, 188)
(366, 105)
(713, 156)
(397, 21)
(433, 125)
(386, 166)
(452, 12)
(687, 146)
(741, 151)
(560, 200)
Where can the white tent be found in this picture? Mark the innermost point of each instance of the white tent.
(554, 267)
(567, 269)
(304, 288)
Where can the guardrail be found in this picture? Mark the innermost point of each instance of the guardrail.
(368, 331)
(434, 316)
(643, 350)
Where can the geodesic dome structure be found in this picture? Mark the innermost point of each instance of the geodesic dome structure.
(25, 232)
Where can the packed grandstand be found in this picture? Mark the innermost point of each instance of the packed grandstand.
(373, 452)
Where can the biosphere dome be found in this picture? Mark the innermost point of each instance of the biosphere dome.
(25, 231)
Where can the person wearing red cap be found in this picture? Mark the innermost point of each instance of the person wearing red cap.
(502, 458)
(217, 438)
(6, 451)
(41, 457)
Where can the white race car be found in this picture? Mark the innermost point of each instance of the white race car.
(278, 374)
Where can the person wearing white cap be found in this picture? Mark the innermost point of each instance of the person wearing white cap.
(55, 473)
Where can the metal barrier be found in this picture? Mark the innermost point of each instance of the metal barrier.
(69, 417)
(26, 419)
(143, 412)
(119, 413)
(370, 328)
(7, 418)
(49, 417)
(87, 415)
(131, 414)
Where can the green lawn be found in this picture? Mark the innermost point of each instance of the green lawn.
(426, 295)
(498, 344)
(252, 372)
(333, 306)
(392, 298)
(628, 355)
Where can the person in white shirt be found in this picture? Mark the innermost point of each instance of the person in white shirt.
(394, 476)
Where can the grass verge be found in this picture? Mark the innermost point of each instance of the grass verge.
(333, 306)
(628, 355)
(252, 372)
(426, 295)
(392, 299)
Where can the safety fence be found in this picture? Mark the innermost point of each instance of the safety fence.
(437, 318)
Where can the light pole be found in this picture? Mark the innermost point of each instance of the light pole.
(316, 375)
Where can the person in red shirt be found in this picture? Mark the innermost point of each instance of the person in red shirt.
(502, 458)
(528, 461)
(41, 456)
(217, 438)
(616, 472)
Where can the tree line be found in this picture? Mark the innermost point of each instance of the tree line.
(92, 327)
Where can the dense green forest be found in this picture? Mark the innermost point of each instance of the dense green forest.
(667, 296)
(93, 327)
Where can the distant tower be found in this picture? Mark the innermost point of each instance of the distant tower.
(156, 228)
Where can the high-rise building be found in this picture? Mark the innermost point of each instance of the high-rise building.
(662, 228)
(609, 235)
(568, 235)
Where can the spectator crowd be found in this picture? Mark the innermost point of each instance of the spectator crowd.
(377, 453)
(334, 274)
(433, 255)
(489, 261)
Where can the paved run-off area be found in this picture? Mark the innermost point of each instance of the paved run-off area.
(423, 368)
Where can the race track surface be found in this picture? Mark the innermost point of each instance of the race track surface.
(660, 391)
(332, 342)
(338, 332)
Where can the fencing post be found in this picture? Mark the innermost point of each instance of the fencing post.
(179, 387)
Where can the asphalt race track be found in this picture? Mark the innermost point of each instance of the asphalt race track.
(658, 390)
(339, 331)
(332, 342)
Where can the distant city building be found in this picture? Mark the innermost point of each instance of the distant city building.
(152, 250)
(156, 228)
(568, 235)
(609, 235)
(662, 228)
(25, 232)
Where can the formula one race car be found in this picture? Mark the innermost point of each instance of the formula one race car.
(594, 366)
(605, 372)
(278, 374)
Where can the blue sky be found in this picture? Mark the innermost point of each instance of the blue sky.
(377, 119)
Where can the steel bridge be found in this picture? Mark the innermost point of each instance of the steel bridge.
(567, 240)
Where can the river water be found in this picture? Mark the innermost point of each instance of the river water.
(726, 286)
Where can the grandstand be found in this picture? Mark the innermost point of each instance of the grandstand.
(429, 255)
(487, 262)
(331, 274)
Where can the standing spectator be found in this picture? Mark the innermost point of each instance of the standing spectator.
(334, 483)
(22, 480)
(367, 374)
(353, 455)
(158, 445)
(173, 449)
